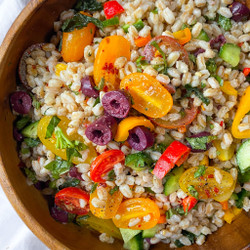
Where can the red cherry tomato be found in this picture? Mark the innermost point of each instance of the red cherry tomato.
(73, 200)
(112, 8)
(104, 163)
(188, 203)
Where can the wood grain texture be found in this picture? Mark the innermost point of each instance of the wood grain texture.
(35, 25)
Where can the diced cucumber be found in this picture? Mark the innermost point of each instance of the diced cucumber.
(230, 53)
(172, 180)
(243, 156)
(150, 233)
(135, 243)
(31, 130)
(128, 234)
(203, 36)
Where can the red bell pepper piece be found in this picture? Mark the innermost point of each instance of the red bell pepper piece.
(188, 203)
(112, 8)
(175, 154)
(246, 71)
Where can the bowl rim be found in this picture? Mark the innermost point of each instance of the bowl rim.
(23, 213)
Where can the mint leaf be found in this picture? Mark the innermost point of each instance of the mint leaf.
(58, 167)
(51, 127)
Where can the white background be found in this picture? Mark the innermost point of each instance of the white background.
(14, 234)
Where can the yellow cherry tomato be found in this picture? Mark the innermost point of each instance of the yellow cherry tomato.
(137, 214)
(228, 89)
(149, 96)
(50, 143)
(224, 154)
(206, 185)
(108, 206)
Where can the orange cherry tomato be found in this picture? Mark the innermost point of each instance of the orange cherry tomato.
(137, 214)
(109, 206)
(149, 96)
(73, 200)
(183, 36)
(104, 163)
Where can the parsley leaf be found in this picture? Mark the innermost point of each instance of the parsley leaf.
(51, 127)
(91, 5)
(58, 167)
(138, 161)
(36, 104)
(193, 192)
(74, 182)
(156, 45)
(224, 22)
(31, 175)
(200, 142)
(113, 190)
(100, 84)
(21, 123)
(190, 235)
(197, 92)
(72, 152)
(178, 244)
(211, 65)
(241, 195)
(111, 175)
(97, 100)
(62, 141)
(93, 188)
(200, 171)
(31, 142)
(140, 62)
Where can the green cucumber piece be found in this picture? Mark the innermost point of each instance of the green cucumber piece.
(128, 234)
(135, 243)
(203, 36)
(31, 130)
(230, 53)
(150, 233)
(243, 156)
(172, 180)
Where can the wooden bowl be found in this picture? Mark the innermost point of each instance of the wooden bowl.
(34, 25)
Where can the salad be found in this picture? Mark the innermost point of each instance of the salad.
(135, 118)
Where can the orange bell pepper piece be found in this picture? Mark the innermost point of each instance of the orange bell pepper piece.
(162, 219)
(224, 205)
(183, 36)
(142, 41)
(228, 89)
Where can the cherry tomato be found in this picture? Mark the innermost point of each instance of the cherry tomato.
(206, 185)
(104, 163)
(73, 200)
(50, 143)
(149, 96)
(144, 211)
(188, 203)
(111, 202)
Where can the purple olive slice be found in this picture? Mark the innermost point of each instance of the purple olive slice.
(87, 87)
(21, 102)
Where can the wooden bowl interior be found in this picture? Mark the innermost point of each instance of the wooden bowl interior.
(35, 25)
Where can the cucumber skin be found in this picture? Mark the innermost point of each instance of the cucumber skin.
(230, 53)
(135, 243)
(128, 234)
(241, 154)
(150, 233)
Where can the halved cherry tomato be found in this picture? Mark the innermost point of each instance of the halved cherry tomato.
(188, 203)
(104, 163)
(141, 210)
(50, 143)
(73, 200)
(112, 203)
(183, 36)
(206, 185)
(149, 96)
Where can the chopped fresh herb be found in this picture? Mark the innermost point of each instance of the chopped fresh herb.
(30, 142)
(113, 190)
(51, 127)
(200, 142)
(22, 122)
(139, 24)
(197, 92)
(58, 167)
(71, 217)
(75, 92)
(52, 184)
(203, 36)
(140, 62)
(25, 151)
(97, 100)
(211, 65)
(241, 196)
(100, 84)
(80, 146)
(31, 175)
(30, 130)
(125, 27)
(149, 190)
(91, 5)
(60, 44)
(200, 171)
(154, 11)
(159, 67)
(71, 153)
(62, 141)
(193, 192)
(219, 80)
(93, 188)
(217, 153)
(180, 210)
(192, 58)
(111, 175)
(211, 126)
(170, 212)
(36, 104)
(178, 243)
(190, 235)
(243, 178)
(224, 22)
(78, 21)
(203, 85)
(156, 45)
(138, 161)
(74, 182)
(110, 22)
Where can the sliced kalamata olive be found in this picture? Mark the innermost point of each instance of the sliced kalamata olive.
(240, 12)
(73, 172)
(59, 214)
(199, 51)
(87, 87)
(17, 135)
(21, 102)
(217, 42)
(140, 138)
(201, 134)
(40, 185)
(116, 104)
(102, 131)
(22, 69)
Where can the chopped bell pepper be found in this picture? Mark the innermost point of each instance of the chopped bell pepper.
(228, 89)
(231, 214)
(175, 154)
(142, 41)
(60, 67)
(243, 109)
(246, 71)
(224, 154)
(188, 203)
(129, 123)
(112, 8)
(224, 205)
(183, 36)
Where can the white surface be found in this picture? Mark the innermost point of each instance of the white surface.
(14, 234)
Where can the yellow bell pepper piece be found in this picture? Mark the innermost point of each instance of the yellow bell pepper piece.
(128, 124)
(231, 214)
(204, 161)
(224, 154)
(243, 108)
(60, 67)
(228, 89)
(183, 36)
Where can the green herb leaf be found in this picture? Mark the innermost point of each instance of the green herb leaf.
(161, 147)
(190, 235)
(74, 182)
(30, 173)
(219, 80)
(22, 122)
(224, 22)
(80, 146)
(140, 63)
(36, 104)
(200, 171)
(100, 84)
(51, 127)
(156, 45)
(193, 192)
(111, 22)
(62, 140)
(149, 190)
(178, 244)
(241, 196)
(139, 24)
(203, 36)
(91, 5)
(192, 58)
(71, 153)
(93, 188)
(97, 100)
(211, 65)
(203, 85)
(78, 21)
(184, 26)
(138, 161)
(30, 142)
(197, 92)
(113, 190)
(243, 178)
(60, 44)
(25, 151)
(58, 167)
(111, 175)
(154, 11)
(200, 142)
